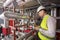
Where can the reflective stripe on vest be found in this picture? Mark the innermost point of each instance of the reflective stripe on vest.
(44, 26)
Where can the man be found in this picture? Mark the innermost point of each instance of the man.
(47, 28)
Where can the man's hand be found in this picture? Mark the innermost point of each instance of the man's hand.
(36, 28)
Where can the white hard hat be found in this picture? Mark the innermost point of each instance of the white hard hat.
(40, 8)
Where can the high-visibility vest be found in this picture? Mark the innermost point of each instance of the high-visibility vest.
(43, 25)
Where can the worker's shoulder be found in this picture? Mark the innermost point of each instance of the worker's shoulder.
(52, 18)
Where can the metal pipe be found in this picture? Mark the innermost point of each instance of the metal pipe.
(8, 2)
(14, 15)
(39, 1)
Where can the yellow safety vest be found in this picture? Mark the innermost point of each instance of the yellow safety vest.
(43, 25)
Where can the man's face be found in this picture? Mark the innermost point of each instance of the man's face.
(41, 13)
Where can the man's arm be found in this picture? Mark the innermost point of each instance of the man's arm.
(51, 23)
